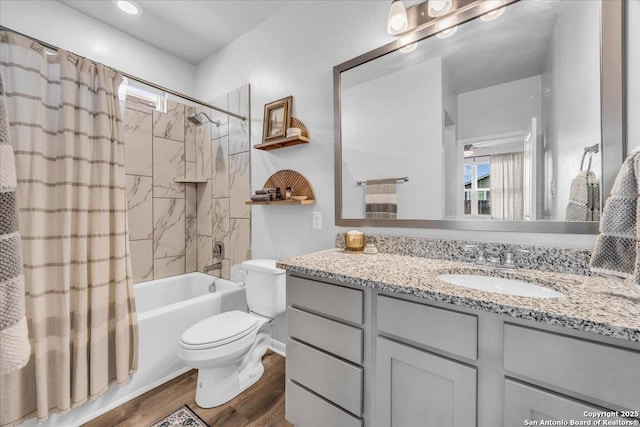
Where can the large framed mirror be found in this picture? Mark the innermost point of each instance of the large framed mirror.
(511, 121)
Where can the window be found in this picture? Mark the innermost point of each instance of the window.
(146, 97)
(477, 187)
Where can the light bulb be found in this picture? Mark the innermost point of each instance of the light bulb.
(397, 21)
(409, 48)
(439, 7)
(494, 14)
(128, 7)
(447, 33)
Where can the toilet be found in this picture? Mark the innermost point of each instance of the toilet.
(227, 348)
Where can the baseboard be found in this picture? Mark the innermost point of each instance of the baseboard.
(124, 399)
(278, 347)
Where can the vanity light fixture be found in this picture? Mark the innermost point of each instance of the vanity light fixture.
(439, 7)
(397, 21)
(129, 7)
(468, 150)
(494, 14)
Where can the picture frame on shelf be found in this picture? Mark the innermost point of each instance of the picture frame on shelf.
(277, 119)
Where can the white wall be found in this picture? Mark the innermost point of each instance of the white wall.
(573, 76)
(376, 137)
(59, 25)
(293, 53)
(499, 109)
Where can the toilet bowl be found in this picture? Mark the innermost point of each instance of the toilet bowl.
(227, 348)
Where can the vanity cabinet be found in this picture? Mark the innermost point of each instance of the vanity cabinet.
(365, 357)
(527, 402)
(325, 351)
(418, 388)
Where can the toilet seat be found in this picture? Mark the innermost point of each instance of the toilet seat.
(219, 330)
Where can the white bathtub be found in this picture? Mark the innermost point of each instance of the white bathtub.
(166, 308)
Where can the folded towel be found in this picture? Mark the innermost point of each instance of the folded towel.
(14, 340)
(381, 200)
(262, 197)
(266, 191)
(617, 250)
(584, 198)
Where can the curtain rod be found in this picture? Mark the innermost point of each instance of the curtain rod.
(138, 79)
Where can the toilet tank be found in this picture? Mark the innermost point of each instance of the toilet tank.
(265, 286)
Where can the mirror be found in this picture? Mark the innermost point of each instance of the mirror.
(507, 123)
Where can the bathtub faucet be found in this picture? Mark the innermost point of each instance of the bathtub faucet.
(214, 266)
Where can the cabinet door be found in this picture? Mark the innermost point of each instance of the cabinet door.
(528, 405)
(419, 389)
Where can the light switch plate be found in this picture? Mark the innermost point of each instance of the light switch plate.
(317, 220)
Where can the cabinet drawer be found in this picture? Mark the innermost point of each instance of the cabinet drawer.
(524, 402)
(337, 381)
(305, 409)
(456, 333)
(337, 338)
(336, 301)
(600, 371)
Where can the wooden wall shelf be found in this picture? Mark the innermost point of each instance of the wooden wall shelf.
(288, 178)
(283, 202)
(281, 143)
(287, 142)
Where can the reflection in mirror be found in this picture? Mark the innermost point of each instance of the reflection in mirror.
(488, 122)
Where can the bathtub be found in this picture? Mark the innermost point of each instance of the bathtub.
(166, 308)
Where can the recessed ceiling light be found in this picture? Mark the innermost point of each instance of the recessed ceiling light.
(129, 7)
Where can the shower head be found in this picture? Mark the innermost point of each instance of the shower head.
(201, 118)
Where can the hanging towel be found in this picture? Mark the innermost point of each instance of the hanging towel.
(14, 339)
(584, 198)
(617, 250)
(381, 200)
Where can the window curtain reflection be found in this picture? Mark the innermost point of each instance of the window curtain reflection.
(507, 186)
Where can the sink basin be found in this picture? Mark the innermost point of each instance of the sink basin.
(500, 286)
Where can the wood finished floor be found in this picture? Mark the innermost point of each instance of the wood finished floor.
(260, 405)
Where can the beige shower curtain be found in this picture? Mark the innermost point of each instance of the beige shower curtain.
(67, 134)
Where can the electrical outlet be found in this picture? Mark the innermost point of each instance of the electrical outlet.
(317, 220)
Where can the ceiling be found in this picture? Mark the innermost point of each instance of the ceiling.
(189, 29)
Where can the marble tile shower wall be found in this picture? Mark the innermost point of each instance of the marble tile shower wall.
(173, 226)
(221, 212)
(162, 224)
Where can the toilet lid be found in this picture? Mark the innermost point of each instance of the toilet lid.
(220, 329)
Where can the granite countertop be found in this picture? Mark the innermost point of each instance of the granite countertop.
(593, 304)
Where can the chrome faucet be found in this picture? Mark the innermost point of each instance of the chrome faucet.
(493, 257)
(212, 267)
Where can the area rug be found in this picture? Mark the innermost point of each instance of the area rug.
(181, 417)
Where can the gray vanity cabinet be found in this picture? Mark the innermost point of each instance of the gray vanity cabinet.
(364, 357)
(418, 388)
(325, 377)
(527, 402)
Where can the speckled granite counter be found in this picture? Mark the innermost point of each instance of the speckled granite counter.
(593, 304)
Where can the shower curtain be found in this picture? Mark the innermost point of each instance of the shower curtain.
(507, 186)
(66, 131)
